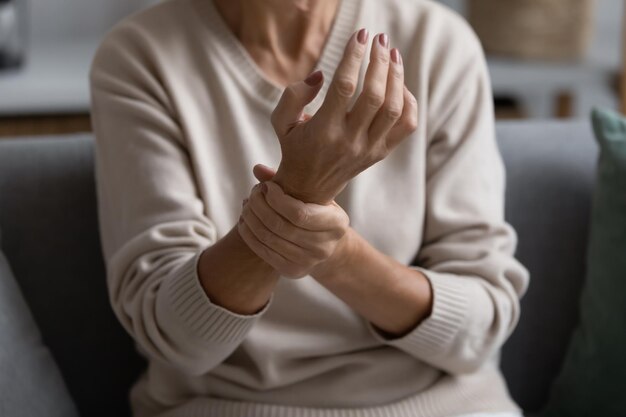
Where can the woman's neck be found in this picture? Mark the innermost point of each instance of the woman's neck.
(284, 37)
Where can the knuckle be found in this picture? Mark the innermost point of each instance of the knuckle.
(345, 87)
(393, 111)
(374, 99)
(335, 133)
(397, 73)
(382, 58)
(378, 153)
(358, 53)
(350, 149)
(301, 216)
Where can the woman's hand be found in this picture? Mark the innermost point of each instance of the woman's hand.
(291, 236)
(321, 153)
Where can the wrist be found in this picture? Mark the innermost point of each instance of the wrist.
(242, 287)
(301, 191)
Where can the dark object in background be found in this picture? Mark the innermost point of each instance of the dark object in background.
(553, 30)
(12, 33)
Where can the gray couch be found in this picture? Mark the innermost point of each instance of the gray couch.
(49, 229)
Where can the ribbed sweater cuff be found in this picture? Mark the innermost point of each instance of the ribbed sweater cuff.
(188, 305)
(435, 335)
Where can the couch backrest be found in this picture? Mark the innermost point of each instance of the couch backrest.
(550, 173)
(48, 221)
(49, 225)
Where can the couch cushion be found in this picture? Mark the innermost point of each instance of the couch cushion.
(48, 217)
(550, 169)
(593, 378)
(30, 382)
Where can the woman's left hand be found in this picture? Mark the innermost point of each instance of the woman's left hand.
(292, 236)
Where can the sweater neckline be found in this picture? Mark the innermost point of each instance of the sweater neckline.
(243, 65)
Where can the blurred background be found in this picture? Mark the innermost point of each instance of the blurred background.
(547, 58)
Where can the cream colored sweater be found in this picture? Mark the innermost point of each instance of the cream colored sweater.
(181, 113)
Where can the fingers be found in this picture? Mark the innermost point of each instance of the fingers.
(304, 215)
(285, 248)
(263, 172)
(345, 80)
(283, 228)
(372, 97)
(392, 108)
(407, 122)
(289, 110)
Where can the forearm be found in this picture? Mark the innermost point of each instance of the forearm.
(392, 296)
(234, 277)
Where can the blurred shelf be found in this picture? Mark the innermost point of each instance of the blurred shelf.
(514, 75)
(13, 126)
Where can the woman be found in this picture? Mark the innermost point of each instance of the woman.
(370, 275)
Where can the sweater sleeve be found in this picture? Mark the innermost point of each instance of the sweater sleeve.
(467, 250)
(152, 221)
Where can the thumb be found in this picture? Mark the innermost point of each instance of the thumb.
(296, 96)
(263, 173)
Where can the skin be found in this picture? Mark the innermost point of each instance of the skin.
(290, 226)
(259, 25)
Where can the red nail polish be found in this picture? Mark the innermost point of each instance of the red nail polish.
(362, 36)
(314, 78)
(383, 39)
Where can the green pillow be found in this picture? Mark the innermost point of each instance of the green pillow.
(592, 381)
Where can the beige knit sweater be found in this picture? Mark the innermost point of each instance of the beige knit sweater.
(181, 113)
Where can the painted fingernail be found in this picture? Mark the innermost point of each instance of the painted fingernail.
(383, 39)
(362, 36)
(395, 56)
(264, 188)
(314, 78)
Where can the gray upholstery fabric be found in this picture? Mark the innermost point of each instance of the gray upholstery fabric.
(48, 218)
(550, 175)
(48, 213)
(30, 382)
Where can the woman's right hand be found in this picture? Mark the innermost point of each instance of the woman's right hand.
(321, 153)
(291, 236)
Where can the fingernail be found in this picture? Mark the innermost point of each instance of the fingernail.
(264, 188)
(395, 56)
(383, 39)
(314, 78)
(362, 36)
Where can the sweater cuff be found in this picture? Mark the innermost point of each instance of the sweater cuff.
(435, 335)
(186, 303)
